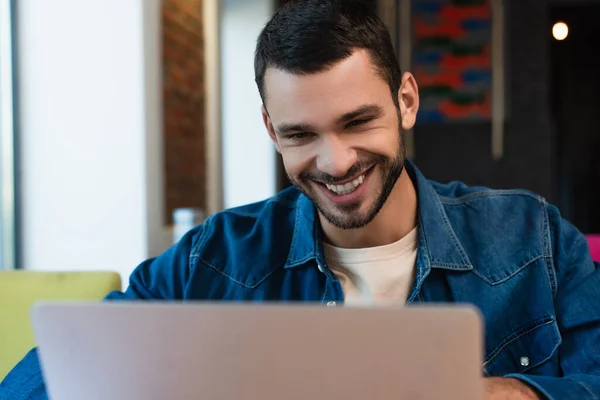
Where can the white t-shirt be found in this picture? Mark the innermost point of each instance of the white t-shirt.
(375, 275)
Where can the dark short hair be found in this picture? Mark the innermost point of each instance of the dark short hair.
(309, 36)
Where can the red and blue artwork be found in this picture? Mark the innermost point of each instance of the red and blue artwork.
(452, 59)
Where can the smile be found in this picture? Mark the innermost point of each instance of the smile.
(347, 188)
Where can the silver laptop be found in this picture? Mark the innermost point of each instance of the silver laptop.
(232, 351)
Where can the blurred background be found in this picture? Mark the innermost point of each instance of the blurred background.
(117, 116)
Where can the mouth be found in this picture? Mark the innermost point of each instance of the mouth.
(349, 190)
(349, 187)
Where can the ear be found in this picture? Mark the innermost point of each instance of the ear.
(408, 98)
(269, 126)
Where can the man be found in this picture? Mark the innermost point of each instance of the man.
(362, 225)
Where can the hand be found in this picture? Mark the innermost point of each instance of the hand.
(508, 388)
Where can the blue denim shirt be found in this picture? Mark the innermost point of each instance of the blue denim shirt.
(507, 252)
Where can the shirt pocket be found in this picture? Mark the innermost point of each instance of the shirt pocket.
(524, 350)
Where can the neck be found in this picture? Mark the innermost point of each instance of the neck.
(395, 220)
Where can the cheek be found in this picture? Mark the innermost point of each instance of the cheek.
(384, 142)
(296, 161)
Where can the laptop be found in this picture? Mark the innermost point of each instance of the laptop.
(231, 351)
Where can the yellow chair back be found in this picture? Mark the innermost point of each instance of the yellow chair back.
(20, 289)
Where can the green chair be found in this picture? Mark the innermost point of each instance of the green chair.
(20, 289)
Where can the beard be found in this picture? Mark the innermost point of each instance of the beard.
(349, 216)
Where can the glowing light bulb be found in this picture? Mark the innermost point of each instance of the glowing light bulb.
(560, 31)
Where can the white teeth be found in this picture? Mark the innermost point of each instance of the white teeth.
(348, 187)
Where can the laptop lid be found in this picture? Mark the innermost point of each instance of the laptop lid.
(258, 351)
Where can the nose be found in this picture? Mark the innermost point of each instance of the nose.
(335, 156)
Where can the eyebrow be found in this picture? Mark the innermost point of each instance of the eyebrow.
(366, 109)
(363, 110)
(289, 128)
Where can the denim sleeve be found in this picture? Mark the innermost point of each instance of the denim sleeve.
(161, 278)
(577, 305)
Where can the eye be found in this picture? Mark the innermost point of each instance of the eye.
(359, 122)
(299, 136)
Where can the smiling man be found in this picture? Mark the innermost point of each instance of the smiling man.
(362, 225)
(340, 134)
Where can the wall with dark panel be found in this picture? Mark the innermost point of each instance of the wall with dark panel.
(531, 156)
(463, 151)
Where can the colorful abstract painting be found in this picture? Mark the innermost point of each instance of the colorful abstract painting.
(451, 59)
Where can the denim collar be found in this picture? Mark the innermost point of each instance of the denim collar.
(438, 245)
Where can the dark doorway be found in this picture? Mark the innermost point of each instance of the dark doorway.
(576, 110)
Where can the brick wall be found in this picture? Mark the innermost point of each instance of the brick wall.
(183, 97)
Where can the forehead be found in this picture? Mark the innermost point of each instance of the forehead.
(324, 96)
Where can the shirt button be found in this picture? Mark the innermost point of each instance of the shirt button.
(524, 361)
(331, 304)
